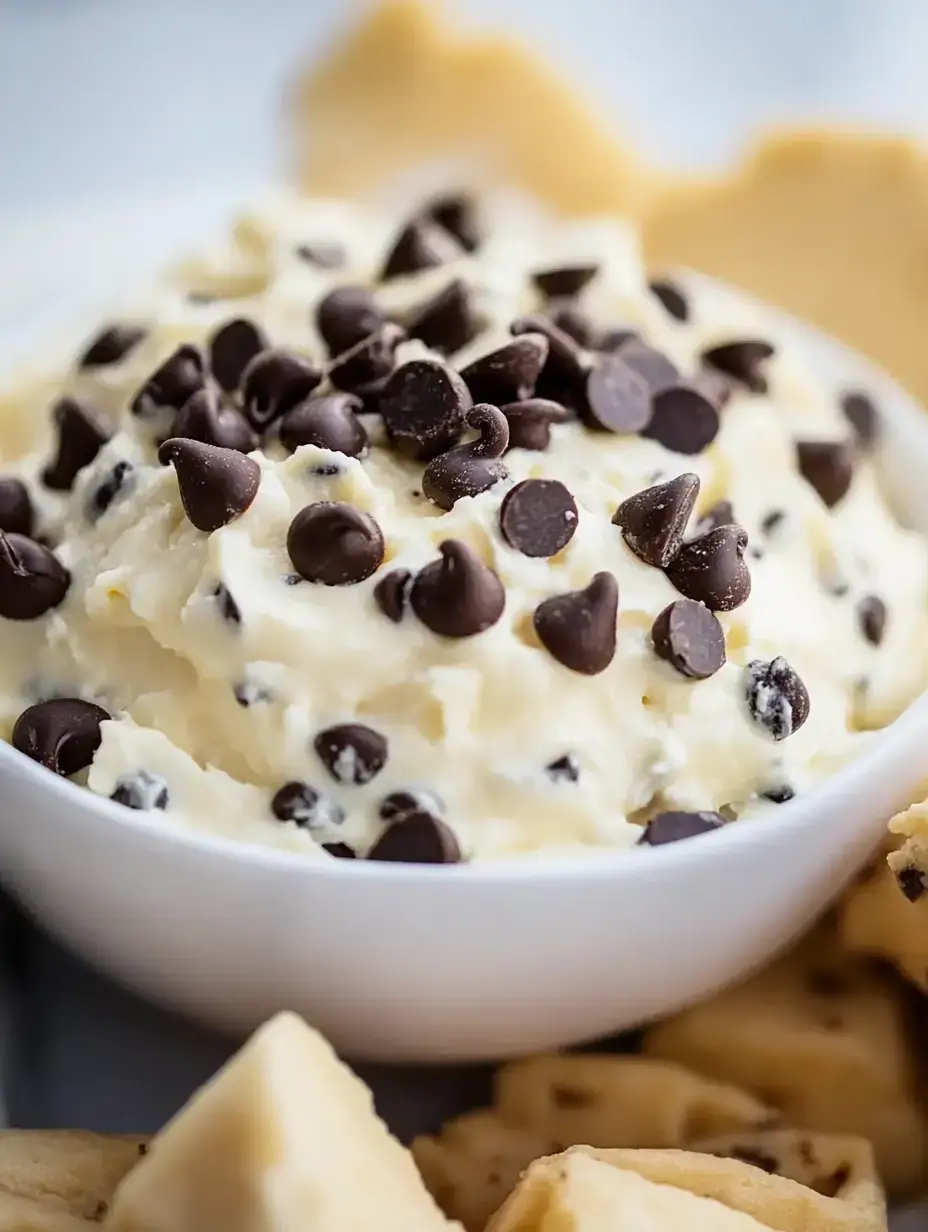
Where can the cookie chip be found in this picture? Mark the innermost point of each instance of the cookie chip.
(821, 1037)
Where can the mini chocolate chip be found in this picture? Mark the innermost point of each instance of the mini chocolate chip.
(563, 377)
(682, 420)
(249, 693)
(780, 794)
(327, 254)
(722, 513)
(306, 807)
(112, 345)
(472, 468)
(417, 838)
(229, 610)
(568, 280)
(530, 422)
(446, 321)
(828, 466)
(232, 348)
(399, 803)
(509, 373)
(772, 521)
(275, 381)
(62, 734)
(351, 752)
(32, 578)
(106, 492)
(672, 298)
(617, 397)
(391, 593)
(423, 405)
(756, 1158)
(81, 436)
(578, 628)
(862, 415)
(458, 595)
(654, 520)
(538, 517)
(142, 791)
(329, 421)
(334, 543)
(325, 470)
(756, 553)
(616, 338)
(671, 827)
(714, 385)
(568, 316)
(345, 316)
(422, 244)
(743, 360)
(912, 883)
(690, 638)
(170, 386)
(777, 699)
(216, 485)
(564, 769)
(341, 851)
(457, 213)
(17, 515)
(871, 616)
(711, 569)
(368, 361)
(652, 365)
(204, 418)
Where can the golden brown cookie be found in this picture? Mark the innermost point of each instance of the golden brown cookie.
(823, 1038)
(877, 917)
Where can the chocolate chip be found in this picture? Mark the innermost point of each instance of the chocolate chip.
(327, 254)
(329, 421)
(472, 468)
(743, 360)
(777, 699)
(780, 794)
(216, 485)
(106, 492)
(457, 596)
(682, 419)
(578, 628)
(563, 377)
(711, 569)
(368, 361)
(345, 316)
(569, 317)
(911, 883)
(62, 734)
(713, 385)
(249, 693)
(423, 405)
(446, 321)
(232, 348)
(722, 513)
(538, 517)
(422, 244)
(341, 851)
(671, 827)
(334, 543)
(828, 466)
(204, 418)
(141, 790)
(306, 807)
(81, 436)
(457, 213)
(756, 1158)
(229, 610)
(351, 752)
(772, 521)
(112, 345)
(567, 280)
(391, 593)
(274, 382)
(17, 515)
(530, 422)
(509, 373)
(672, 298)
(861, 413)
(616, 338)
(871, 616)
(564, 769)
(654, 520)
(654, 366)
(171, 385)
(689, 637)
(617, 397)
(32, 578)
(417, 838)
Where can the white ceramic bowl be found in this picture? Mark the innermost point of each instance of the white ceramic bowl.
(417, 963)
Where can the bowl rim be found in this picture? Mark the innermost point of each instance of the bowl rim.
(593, 863)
